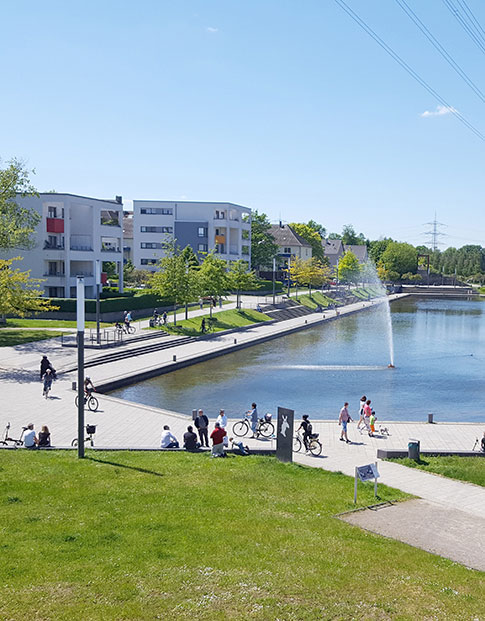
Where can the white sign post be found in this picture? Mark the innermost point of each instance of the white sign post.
(366, 473)
(80, 365)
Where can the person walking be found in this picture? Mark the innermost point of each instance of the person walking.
(217, 437)
(47, 383)
(222, 419)
(202, 424)
(202, 326)
(253, 417)
(164, 318)
(45, 364)
(343, 420)
(367, 415)
(363, 399)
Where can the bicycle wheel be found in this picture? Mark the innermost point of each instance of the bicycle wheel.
(131, 330)
(74, 442)
(315, 447)
(76, 400)
(93, 403)
(240, 428)
(296, 444)
(266, 429)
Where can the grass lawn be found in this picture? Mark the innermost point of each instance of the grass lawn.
(317, 298)
(180, 309)
(49, 323)
(17, 337)
(471, 469)
(181, 536)
(225, 320)
(365, 292)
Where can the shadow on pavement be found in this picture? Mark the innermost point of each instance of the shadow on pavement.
(20, 376)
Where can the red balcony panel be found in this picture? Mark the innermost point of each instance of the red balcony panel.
(55, 225)
(104, 278)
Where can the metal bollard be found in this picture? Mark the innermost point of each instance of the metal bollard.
(235, 341)
(413, 449)
(430, 418)
(174, 358)
(74, 385)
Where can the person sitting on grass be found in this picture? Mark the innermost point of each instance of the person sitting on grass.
(217, 437)
(239, 446)
(168, 439)
(190, 440)
(44, 437)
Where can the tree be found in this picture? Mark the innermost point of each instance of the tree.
(17, 224)
(19, 294)
(140, 277)
(312, 237)
(174, 279)
(319, 228)
(263, 246)
(309, 272)
(190, 257)
(349, 268)
(377, 247)
(240, 279)
(128, 271)
(212, 275)
(400, 257)
(350, 237)
(109, 268)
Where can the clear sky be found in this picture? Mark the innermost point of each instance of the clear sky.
(284, 106)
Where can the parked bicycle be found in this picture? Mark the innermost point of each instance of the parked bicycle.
(264, 427)
(314, 444)
(90, 400)
(6, 437)
(90, 431)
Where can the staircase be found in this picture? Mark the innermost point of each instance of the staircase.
(290, 310)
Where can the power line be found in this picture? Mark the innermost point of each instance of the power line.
(472, 31)
(437, 45)
(473, 19)
(344, 6)
(435, 233)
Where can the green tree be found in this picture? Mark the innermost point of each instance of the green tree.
(213, 279)
(350, 237)
(349, 268)
(377, 247)
(128, 271)
(190, 257)
(109, 268)
(20, 295)
(312, 237)
(319, 228)
(17, 224)
(175, 279)
(240, 278)
(400, 258)
(263, 246)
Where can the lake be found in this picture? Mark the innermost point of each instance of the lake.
(439, 356)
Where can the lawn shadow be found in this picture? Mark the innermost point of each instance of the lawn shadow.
(118, 465)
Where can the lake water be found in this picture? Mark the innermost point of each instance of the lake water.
(439, 355)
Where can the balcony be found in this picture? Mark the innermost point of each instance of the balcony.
(105, 248)
(54, 275)
(220, 239)
(81, 242)
(49, 245)
(55, 225)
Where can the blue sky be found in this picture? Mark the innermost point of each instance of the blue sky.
(286, 107)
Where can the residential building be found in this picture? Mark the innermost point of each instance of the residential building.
(74, 232)
(223, 227)
(127, 236)
(290, 244)
(334, 250)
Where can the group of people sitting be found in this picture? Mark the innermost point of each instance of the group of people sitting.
(218, 436)
(32, 441)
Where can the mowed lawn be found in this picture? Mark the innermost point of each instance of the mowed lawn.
(224, 320)
(9, 338)
(471, 469)
(182, 536)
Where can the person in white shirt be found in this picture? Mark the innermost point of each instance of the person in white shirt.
(168, 439)
(222, 419)
(30, 439)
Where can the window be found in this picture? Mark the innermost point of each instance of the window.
(286, 250)
(220, 215)
(149, 261)
(161, 211)
(202, 231)
(245, 234)
(245, 250)
(202, 248)
(51, 212)
(110, 217)
(156, 229)
(152, 245)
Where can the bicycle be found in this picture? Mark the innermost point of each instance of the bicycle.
(314, 444)
(90, 400)
(126, 329)
(264, 427)
(90, 430)
(7, 438)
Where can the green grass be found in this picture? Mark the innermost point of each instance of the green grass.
(49, 323)
(180, 309)
(317, 298)
(225, 320)
(365, 292)
(471, 469)
(8, 338)
(156, 536)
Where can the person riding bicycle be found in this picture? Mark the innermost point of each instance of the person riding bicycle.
(89, 387)
(128, 319)
(156, 316)
(307, 430)
(45, 364)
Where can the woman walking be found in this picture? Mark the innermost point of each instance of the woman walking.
(363, 399)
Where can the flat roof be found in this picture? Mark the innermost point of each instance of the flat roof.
(90, 198)
(153, 200)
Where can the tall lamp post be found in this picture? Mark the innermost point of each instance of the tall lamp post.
(98, 283)
(274, 281)
(289, 275)
(80, 365)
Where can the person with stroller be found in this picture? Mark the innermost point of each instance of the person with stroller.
(44, 365)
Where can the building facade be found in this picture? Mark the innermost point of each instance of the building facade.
(290, 244)
(74, 232)
(222, 227)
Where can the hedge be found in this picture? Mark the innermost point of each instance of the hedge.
(145, 300)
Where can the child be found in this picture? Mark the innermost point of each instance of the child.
(237, 444)
(372, 422)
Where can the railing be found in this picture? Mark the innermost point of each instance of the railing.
(83, 248)
(106, 249)
(54, 274)
(75, 272)
(49, 246)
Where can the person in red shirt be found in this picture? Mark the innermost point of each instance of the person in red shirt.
(217, 437)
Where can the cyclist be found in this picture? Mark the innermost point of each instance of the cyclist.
(307, 430)
(128, 319)
(89, 387)
(156, 316)
(45, 364)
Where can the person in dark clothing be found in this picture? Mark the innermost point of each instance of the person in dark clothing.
(202, 326)
(202, 425)
(44, 365)
(44, 437)
(190, 440)
(307, 429)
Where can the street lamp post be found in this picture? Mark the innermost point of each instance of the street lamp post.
(289, 275)
(98, 283)
(80, 365)
(274, 282)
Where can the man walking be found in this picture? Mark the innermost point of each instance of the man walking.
(201, 424)
(343, 419)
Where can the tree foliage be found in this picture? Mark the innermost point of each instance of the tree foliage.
(17, 224)
(309, 272)
(20, 295)
(349, 268)
(350, 237)
(212, 277)
(400, 258)
(263, 245)
(319, 228)
(240, 278)
(312, 237)
(377, 247)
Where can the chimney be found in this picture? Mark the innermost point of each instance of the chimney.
(281, 224)
(119, 200)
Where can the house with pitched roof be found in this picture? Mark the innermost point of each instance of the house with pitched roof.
(290, 244)
(334, 249)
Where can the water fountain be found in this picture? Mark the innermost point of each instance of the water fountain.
(374, 281)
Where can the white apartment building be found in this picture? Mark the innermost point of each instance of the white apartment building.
(73, 233)
(223, 227)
